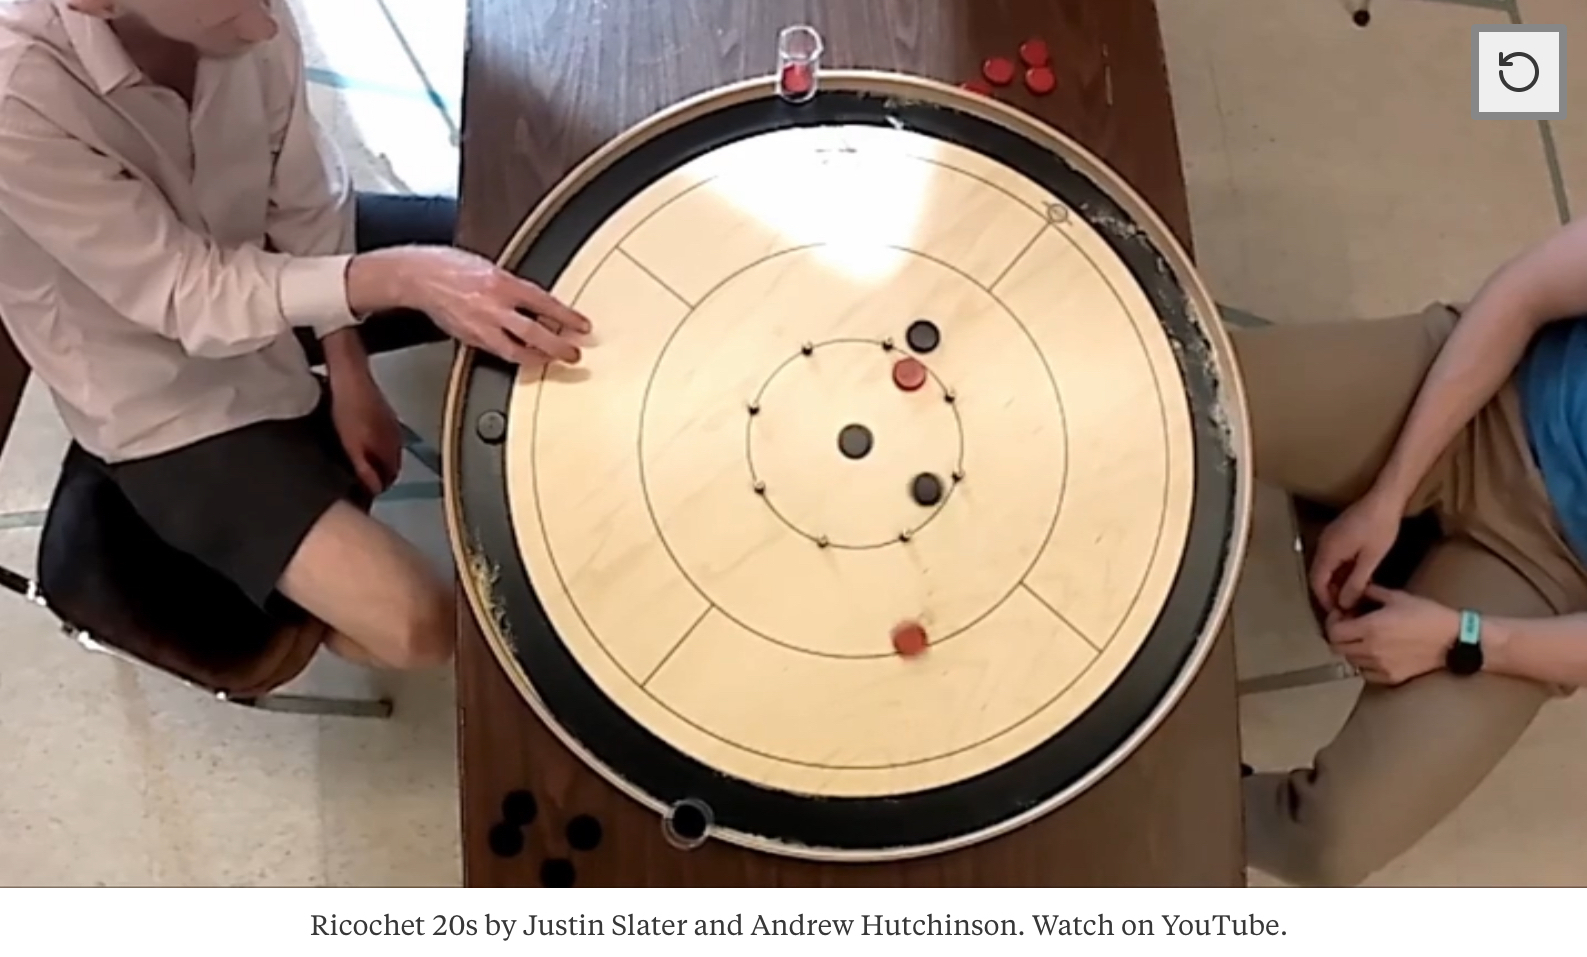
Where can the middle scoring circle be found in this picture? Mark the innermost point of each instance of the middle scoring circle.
(866, 504)
(1004, 430)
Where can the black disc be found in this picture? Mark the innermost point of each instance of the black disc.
(557, 872)
(923, 336)
(520, 808)
(1362, 17)
(926, 489)
(492, 426)
(854, 441)
(584, 833)
(506, 840)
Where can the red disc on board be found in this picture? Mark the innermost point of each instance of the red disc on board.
(909, 374)
(909, 639)
(1034, 52)
(1040, 80)
(979, 86)
(796, 78)
(999, 71)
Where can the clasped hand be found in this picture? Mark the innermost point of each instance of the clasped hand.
(1405, 635)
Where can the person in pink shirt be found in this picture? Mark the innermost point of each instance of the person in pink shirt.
(180, 248)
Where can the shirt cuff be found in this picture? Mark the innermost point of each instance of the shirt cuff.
(312, 292)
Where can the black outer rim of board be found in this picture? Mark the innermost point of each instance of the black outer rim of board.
(953, 813)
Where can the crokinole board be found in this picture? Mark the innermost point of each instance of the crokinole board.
(689, 554)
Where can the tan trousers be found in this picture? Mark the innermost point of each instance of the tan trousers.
(1327, 402)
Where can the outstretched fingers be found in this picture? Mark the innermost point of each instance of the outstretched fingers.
(537, 301)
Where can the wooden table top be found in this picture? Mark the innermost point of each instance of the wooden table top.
(548, 81)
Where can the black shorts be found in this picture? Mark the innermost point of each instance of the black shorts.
(243, 501)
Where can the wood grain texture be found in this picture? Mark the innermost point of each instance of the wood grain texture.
(547, 82)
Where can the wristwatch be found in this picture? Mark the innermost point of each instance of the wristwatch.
(1464, 657)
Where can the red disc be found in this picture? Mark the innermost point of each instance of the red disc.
(999, 71)
(909, 639)
(1040, 80)
(1033, 52)
(796, 78)
(909, 374)
(979, 86)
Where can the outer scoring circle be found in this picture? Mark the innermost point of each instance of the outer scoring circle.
(1025, 705)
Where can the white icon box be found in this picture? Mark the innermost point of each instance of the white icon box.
(1518, 71)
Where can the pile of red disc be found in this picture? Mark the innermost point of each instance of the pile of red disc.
(1001, 71)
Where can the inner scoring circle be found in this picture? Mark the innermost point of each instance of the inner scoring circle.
(855, 442)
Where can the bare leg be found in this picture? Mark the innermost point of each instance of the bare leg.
(374, 589)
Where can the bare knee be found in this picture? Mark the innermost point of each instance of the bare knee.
(375, 588)
(427, 630)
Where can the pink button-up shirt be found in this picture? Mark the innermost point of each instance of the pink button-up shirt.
(134, 271)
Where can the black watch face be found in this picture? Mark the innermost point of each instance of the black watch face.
(1464, 659)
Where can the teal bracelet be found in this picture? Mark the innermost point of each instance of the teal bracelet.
(1470, 628)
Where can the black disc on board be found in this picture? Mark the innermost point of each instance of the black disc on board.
(617, 741)
(492, 426)
(926, 489)
(855, 441)
(923, 336)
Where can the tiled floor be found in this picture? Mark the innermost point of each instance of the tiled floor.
(1333, 171)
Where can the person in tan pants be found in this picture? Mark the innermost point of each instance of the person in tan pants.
(1477, 415)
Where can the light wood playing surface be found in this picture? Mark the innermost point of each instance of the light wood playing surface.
(711, 612)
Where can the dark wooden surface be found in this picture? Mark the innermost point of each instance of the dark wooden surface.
(547, 81)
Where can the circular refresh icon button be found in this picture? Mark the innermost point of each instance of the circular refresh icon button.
(1508, 59)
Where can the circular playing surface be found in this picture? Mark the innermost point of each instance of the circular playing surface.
(899, 494)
